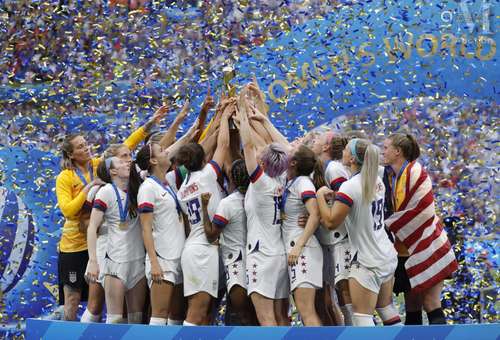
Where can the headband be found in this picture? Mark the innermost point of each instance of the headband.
(354, 142)
(329, 136)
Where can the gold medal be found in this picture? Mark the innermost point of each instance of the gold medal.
(282, 215)
(123, 225)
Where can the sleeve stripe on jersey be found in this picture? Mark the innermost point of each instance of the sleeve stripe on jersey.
(307, 195)
(98, 204)
(146, 207)
(220, 221)
(340, 196)
(335, 184)
(256, 174)
(216, 167)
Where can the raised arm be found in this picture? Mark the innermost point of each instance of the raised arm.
(223, 138)
(186, 138)
(275, 135)
(208, 103)
(140, 134)
(169, 137)
(246, 135)
(311, 226)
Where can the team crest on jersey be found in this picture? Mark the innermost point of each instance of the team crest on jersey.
(72, 277)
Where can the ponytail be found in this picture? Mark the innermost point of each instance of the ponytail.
(407, 144)
(307, 163)
(369, 173)
(318, 174)
(134, 182)
(367, 157)
(337, 146)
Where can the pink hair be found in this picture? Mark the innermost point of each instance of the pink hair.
(275, 159)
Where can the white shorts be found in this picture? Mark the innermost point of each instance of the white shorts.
(101, 255)
(328, 275)
(342, 257)
(235, 274)
(267, 275)
(307, 273)
(200, 269)
(369, 278)
(130, 273)
(171, 270)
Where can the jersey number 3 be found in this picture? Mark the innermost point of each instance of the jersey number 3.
(377, 213)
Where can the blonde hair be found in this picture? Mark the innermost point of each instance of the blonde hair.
(67, 150)
(367, 156)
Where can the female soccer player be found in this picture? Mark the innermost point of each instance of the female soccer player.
(305, 256)
(426, 257)
(162, 230)
(336, 248)
(230, 220)
(200, 258)
(360, 202)
(122, 151)
(72, 186)
(124, 264)
(267, 274)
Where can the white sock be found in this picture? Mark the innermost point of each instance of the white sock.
(157, 321)
(114, 318)
(185, 323)
(389, 315)
(171, 322)
(88, 317)
(363, 320)
(347, 311)
(135, 317)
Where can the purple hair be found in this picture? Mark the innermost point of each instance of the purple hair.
(275, 159)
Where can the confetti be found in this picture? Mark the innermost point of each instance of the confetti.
(101, 69)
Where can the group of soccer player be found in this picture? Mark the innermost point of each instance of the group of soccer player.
(234, 209)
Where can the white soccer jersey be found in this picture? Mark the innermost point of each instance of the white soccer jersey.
(262, 205)
(335, 174)
(297, 192)
(189, 195)
(124, 245)
(168, 228)
(89, 203)
(365, 224)
(172, 177)
(231, 218)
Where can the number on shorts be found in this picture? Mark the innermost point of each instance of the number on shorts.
(377, 213)
(277, 211)
(294, 275)
(194, 211)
